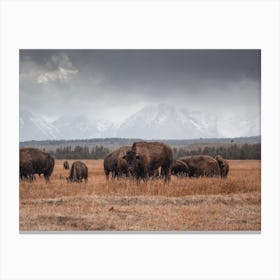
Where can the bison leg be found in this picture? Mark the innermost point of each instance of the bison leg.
(144, 174)
(32, 178)
(47, 178)
(145, 179)
(47, 175)
(107, 173)
(28, 177)
(114, 174)
(166, 174)
(191, 172)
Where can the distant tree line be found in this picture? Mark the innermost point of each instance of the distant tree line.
(245, 151)
(79, 152)
(235, 151)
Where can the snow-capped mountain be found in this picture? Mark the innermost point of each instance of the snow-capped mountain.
(166, 122)
(152, 122)
(75, 127)
(105, 128)
(33, 127)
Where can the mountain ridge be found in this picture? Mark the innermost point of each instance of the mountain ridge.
(160, 121)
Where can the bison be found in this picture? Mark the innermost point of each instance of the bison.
(66, 165)
(145, 158)
(154, 173)
(34, 161)
(179, 168)
(26, 170)
(78, 172)
(115, 163)
(202, 166)
(224, 166)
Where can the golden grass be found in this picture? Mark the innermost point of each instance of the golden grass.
(185, 204)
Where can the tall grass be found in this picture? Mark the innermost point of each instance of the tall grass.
(183, 204)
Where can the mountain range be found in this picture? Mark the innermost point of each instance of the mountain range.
(151, 122)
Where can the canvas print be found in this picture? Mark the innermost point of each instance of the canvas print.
(139, 140)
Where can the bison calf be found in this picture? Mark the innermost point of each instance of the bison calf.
(78, 172)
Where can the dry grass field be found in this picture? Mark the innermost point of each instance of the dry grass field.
(186, 204)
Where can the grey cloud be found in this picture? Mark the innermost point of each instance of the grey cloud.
(56, 68)
(113, 83)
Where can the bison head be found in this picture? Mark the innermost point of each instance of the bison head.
(132, 160)
(224, 166)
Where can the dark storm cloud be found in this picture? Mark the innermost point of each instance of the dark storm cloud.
(97, 82)
(130, 68)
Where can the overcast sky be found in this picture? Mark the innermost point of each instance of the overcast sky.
(112, 84)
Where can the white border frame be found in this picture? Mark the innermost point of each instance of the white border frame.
(146, 24)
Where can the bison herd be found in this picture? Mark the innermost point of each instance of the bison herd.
(142, 161)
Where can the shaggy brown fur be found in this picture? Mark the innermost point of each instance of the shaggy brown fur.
(115, 163)
(224, 166)
(78, 172)
(179, 168)
(34, 161)
(26, 170)
(202, 166)
(146, 157)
